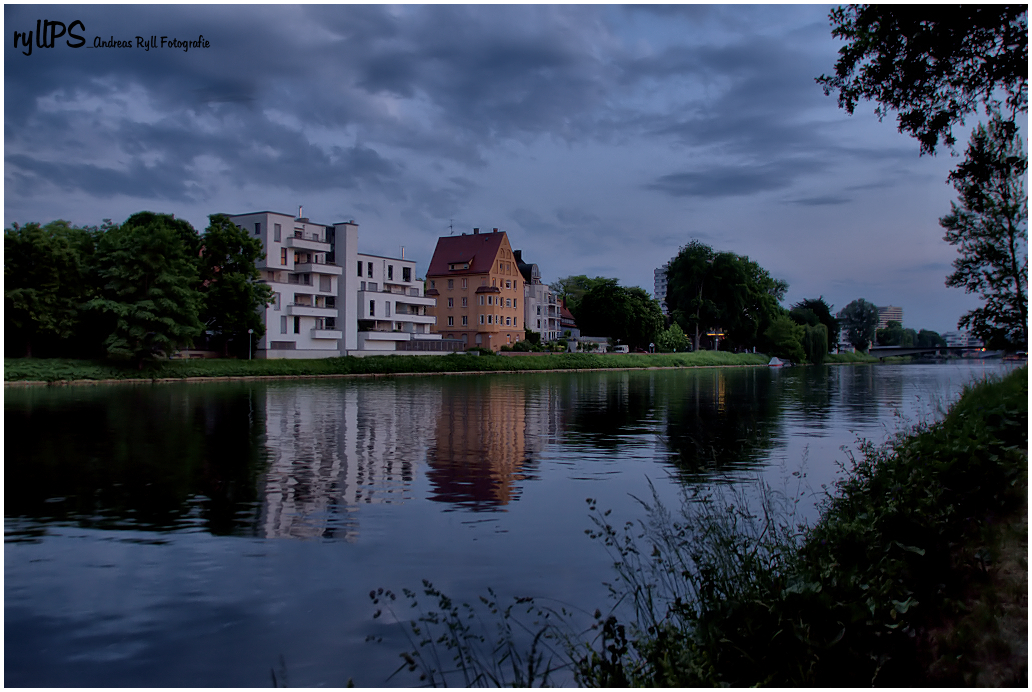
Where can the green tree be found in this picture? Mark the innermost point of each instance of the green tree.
(893, 334)
(926, 338)
(707, 289)
(859, 319)
(46, 281)
(628, 315)
(572, 289)
(233, 300)
(989, 224)
(815, 343)
(149, 287)
(785, 339)
(931, 64)
(822, 311)
(672, 338)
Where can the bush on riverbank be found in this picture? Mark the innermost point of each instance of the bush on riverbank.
(58, 369)
(848, 357)
(844, 603)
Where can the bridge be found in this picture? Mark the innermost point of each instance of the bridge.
(895, 351)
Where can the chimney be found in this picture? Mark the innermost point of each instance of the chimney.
(402, 252)
(495, 230)
(300, 212)
(476, 231)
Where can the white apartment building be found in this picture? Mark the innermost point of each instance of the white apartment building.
(660, 286)
(540, 306)
(317, 306)
(962, 339)
(889, 313)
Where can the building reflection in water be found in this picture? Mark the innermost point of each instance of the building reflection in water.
(483, 444)
(333, 448)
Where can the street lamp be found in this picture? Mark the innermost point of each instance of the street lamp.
(249, 333)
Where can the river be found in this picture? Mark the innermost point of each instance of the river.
(207, 534)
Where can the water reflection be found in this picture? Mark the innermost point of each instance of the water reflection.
(157, 458)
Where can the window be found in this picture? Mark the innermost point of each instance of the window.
(489, 300)
(489, 318)
(508, 322)
(283, 256)
(361, 285)
(387, 309)
(283, 325)
(325, 283)
(257, 229)
(465, 302)
(508, 302)
(465, 321)
(275, 301)
(514, 302)
(451, 283)
(369, 269)
(451, 321)
(508, 284)
(277, 232)
(451, 302)
(297, 325)
(390, 272)
(465, 283)
(539, 324)
(360, 269)
(539, 309)
(406, 274)
(481, 300)
(372, 308)
(481, 322)
(433, 284)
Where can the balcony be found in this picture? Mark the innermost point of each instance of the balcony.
(299, 241)
(327, 334)
(300, 310)
(318, 268)
(423, 301)
(414, 319)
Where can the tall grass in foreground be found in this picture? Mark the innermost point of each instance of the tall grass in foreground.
(719, 594)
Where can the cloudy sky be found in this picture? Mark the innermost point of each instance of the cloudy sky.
(601, 138)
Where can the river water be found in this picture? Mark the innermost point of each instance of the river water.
(209, 534)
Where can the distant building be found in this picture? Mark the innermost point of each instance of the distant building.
(567, 323)
(661, 286)
(540, 306)
(961, 339)
(479, 290)
(889, 314)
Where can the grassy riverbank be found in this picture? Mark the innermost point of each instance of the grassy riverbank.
(916, 574)
(58, 369)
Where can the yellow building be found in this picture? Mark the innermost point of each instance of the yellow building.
(478, 288)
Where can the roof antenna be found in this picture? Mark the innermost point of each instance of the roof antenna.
(451, 227)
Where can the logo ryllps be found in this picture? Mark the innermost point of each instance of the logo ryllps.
(46, 34)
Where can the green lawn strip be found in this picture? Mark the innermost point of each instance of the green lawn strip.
(849, 601)
(57, 369)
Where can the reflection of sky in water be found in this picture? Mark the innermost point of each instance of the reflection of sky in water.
(467, 481)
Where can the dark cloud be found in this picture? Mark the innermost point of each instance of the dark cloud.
(733, 181)
(825, 200)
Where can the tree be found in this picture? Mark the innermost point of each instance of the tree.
(707, 289)
(571, 289)
(149, 287)
(672, 338)
(822, 312)
(859, 319)
(233, 298)
(785, 338)
(932, 64)
(989, 223)
(893, 334)
(628, 315)
(46, 280)
(815, 343)
(926, 338)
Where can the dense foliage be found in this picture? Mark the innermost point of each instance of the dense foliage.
(628, 315)
(932, 64)
(821, 312)
(721, 290)
(989, 224)
(133, 291)
(893, 334)
(860, 320)
(728, 595)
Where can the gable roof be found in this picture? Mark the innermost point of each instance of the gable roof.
(478, 249)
